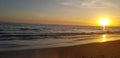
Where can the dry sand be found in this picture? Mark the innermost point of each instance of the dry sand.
(95, 50)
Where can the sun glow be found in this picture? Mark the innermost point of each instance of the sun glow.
(104, 21)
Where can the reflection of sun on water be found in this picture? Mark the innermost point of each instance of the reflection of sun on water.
(104, 38)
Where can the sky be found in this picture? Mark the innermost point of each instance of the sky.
(65, 12)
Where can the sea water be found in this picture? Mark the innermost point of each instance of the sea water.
(14, 36)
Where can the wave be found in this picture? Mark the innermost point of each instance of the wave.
(28, 32)
(28, 36)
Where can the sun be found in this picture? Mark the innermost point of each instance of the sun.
(104, 21)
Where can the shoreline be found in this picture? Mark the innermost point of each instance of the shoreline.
(109, 49)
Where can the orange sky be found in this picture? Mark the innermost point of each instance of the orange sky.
(64, 12)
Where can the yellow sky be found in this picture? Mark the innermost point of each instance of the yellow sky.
(64, 12)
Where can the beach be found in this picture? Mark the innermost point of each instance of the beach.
(94, 50)
(59, 29)
(58, 41)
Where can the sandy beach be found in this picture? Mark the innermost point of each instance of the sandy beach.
(59, 29)
(94, 50)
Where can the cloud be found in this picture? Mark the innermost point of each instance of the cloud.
(69, 3)
(87, 3)
(97, 4)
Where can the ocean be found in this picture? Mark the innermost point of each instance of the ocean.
(16, 36)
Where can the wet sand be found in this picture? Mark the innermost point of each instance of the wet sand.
(94, 50)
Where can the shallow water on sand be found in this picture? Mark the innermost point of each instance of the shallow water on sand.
(52, 43)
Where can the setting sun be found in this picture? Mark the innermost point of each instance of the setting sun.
(104, 21)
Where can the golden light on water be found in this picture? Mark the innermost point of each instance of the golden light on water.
(104, 38)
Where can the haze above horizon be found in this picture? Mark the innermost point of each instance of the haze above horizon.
(64, 12)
